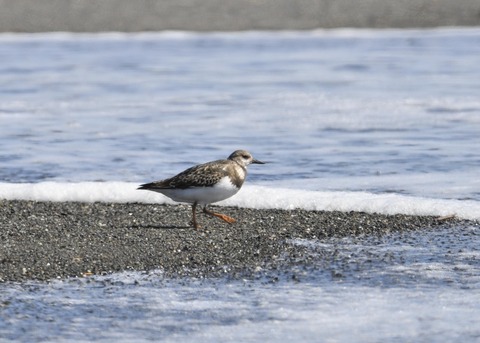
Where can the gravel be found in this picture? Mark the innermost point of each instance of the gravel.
(47, 240)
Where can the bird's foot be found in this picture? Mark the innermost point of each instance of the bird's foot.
(195, 225)
(222, 216)
(226, 218)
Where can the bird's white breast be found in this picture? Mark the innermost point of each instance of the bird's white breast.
(203, 195)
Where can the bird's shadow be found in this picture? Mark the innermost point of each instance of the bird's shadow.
(160, 227)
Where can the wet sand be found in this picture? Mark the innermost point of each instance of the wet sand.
(47, 240)
(231, 15)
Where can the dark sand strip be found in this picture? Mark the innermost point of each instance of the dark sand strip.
(45, 240)
(231, 15)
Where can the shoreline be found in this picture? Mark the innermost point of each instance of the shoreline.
(231, 15)
(49, 240)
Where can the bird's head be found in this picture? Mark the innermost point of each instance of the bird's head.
(244, 158)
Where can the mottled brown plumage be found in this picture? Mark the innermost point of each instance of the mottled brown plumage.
(202, 175)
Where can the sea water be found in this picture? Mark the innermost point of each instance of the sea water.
(384, 121)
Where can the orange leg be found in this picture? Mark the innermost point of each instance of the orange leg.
(223, 217)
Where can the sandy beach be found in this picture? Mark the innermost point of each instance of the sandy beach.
(47, 240)
(231, 15)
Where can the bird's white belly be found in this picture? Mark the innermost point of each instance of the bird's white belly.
(203, 195)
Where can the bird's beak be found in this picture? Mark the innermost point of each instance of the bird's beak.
(257, 161)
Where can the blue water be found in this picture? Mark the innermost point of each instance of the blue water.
(395, 111)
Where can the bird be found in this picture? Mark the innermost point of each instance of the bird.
(206, 183)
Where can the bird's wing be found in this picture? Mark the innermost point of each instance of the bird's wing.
(202, 175)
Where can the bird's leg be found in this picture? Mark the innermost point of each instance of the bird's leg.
(223, 217)
(194, 216)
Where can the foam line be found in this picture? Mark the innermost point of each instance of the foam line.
(250, 196)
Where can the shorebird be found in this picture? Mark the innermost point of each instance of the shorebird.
(206, 183)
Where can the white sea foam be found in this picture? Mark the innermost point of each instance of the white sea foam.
(178, 34)
(250, 196)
